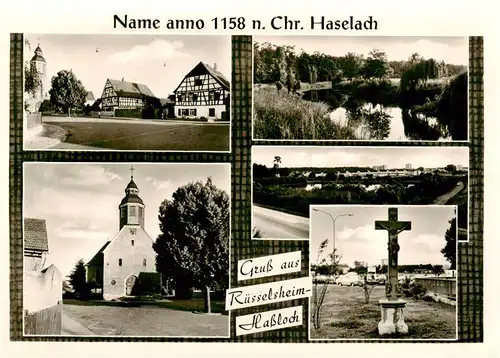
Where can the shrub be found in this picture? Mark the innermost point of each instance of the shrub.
(288, 116)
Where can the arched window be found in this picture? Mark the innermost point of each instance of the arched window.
(119, 262)
(144, 262)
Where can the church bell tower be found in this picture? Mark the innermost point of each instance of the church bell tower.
(131, 207)
(38, 62)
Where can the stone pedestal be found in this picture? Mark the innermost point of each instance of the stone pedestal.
(392, 317)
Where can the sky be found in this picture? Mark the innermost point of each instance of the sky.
(393, 157)
(357, 239)
(160, 62)
(80, 201)
(452, 50)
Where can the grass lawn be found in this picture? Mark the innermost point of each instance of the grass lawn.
(145, 136)
(346, 315)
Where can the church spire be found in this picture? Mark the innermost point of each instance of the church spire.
(131, 207)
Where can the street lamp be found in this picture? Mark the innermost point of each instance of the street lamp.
(333, 224)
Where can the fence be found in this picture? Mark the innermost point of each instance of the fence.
(47, 321)
(441, 286)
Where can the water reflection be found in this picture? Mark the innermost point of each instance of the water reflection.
(375, 120)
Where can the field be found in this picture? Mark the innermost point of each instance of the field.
(133, 135)
(345, 315)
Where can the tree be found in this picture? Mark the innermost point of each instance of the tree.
(451, 168)
(351, 65)
(193, 246)
(376, 65)
(276, 165)
(320, 288)
(78, 279)
(32, 80)
(67, 91)
(450, 249)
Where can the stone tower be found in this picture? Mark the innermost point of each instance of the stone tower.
(131, 207)
(38, 62)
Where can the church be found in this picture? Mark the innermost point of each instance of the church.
(203, 93)
(120, 263)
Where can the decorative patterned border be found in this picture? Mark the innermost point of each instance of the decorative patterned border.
(470, 257)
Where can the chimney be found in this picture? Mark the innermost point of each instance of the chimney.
(215, 66)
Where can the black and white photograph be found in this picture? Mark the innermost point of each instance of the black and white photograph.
(286, 180)
(126, 249)
(127, 92)
(391, 88)
(383, 272)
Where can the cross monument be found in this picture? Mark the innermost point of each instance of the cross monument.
(392, 306)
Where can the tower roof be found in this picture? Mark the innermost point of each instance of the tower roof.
(38, 55)
(131, 194)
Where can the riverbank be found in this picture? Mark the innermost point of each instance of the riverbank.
(283, 115)
(308, 114)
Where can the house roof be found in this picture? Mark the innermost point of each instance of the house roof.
(131, 89)
(165, 101)
(35, 235)
(203, 68)
(97, 259)
(90, 96)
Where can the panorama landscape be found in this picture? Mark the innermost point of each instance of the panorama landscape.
(361, 88)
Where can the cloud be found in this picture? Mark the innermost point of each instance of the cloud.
(160, 184)
(156, 49)
(79, 175)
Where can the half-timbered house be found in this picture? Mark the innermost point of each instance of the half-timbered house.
(123, 94)
(203, 93)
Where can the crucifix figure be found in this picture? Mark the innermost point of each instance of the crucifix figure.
(132, 172)
(394, 228)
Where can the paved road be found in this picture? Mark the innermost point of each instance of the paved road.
(277, 225)
(142, 134)
(142, 321)
(443, 199)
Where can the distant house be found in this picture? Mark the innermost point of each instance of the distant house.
(203, 93)
(89, 101)
(125, 95)
(167, 106)
(343, 268)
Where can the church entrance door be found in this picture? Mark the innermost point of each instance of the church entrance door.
(129, 284)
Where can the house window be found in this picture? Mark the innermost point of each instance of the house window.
(179, 98)
(132, 242)
(185, 112)
(193, 97)
(144, 262)
(120, 262)
(132, 211)
(211, 112)
(211, 96)
(192, 112)
(217, 95)
(198, 81)
(180, 112)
